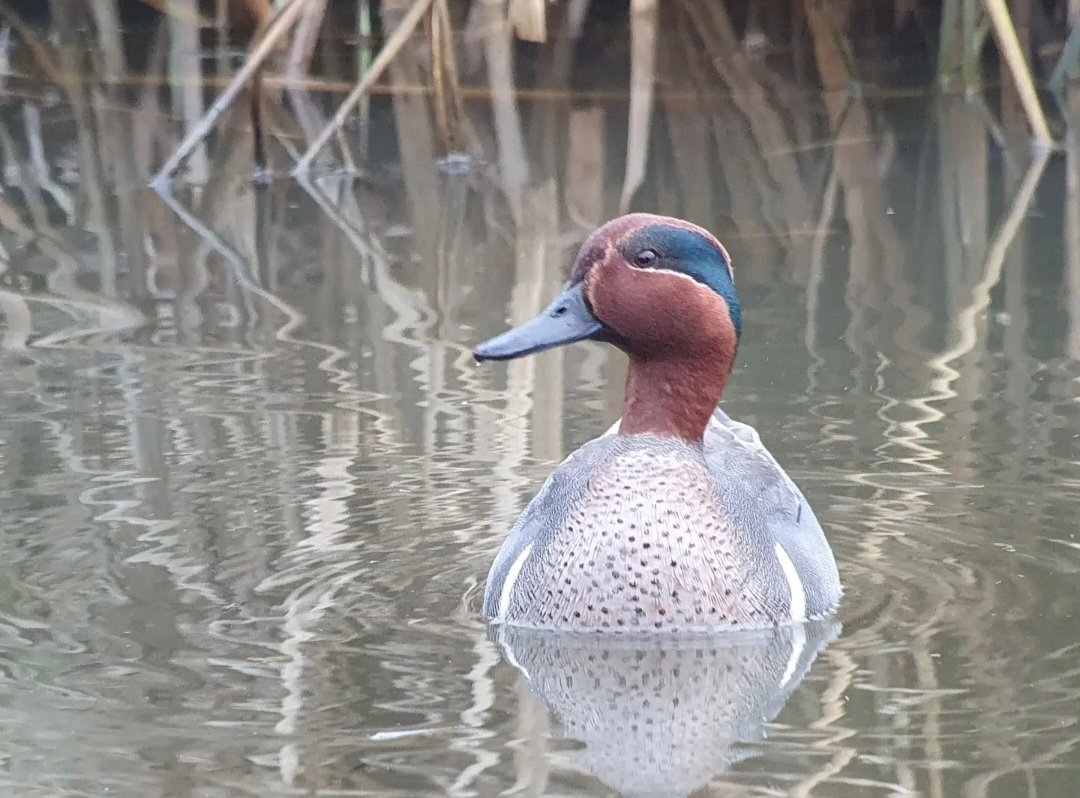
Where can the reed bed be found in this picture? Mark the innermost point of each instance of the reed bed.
(158, 202)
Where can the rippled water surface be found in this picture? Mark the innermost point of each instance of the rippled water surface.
(251, 479)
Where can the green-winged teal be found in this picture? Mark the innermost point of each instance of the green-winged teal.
(678, 518)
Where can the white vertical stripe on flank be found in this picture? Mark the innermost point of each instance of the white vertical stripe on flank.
(508, 583)
(798, 592)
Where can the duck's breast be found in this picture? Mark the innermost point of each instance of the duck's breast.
(632, 533)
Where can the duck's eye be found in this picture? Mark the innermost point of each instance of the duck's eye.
(646, 257)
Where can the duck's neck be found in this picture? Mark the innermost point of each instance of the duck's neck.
(672, 398)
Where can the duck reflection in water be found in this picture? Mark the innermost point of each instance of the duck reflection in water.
(662, 715)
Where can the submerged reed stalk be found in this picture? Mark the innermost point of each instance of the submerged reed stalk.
(257, 133)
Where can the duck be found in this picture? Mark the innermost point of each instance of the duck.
(678, 518)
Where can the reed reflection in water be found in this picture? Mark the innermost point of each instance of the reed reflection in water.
(250, 478)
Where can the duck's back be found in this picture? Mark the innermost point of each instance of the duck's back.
(635, 532)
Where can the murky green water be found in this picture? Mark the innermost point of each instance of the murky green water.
(251, 479)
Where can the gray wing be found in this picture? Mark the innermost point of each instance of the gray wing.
(539, 520)
(762, 497)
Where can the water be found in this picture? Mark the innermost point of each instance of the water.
(251, 479)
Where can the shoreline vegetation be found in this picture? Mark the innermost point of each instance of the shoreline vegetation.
(1025, 53)
(774, 124)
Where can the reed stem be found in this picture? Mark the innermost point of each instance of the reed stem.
(277, 28)
(1067, 63)
(1013, 55)
(380, 62)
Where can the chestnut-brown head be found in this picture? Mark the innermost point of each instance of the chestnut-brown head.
(662, 287)
(663, 291)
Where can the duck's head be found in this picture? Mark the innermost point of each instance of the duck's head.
(655, 286)
(663, 291)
